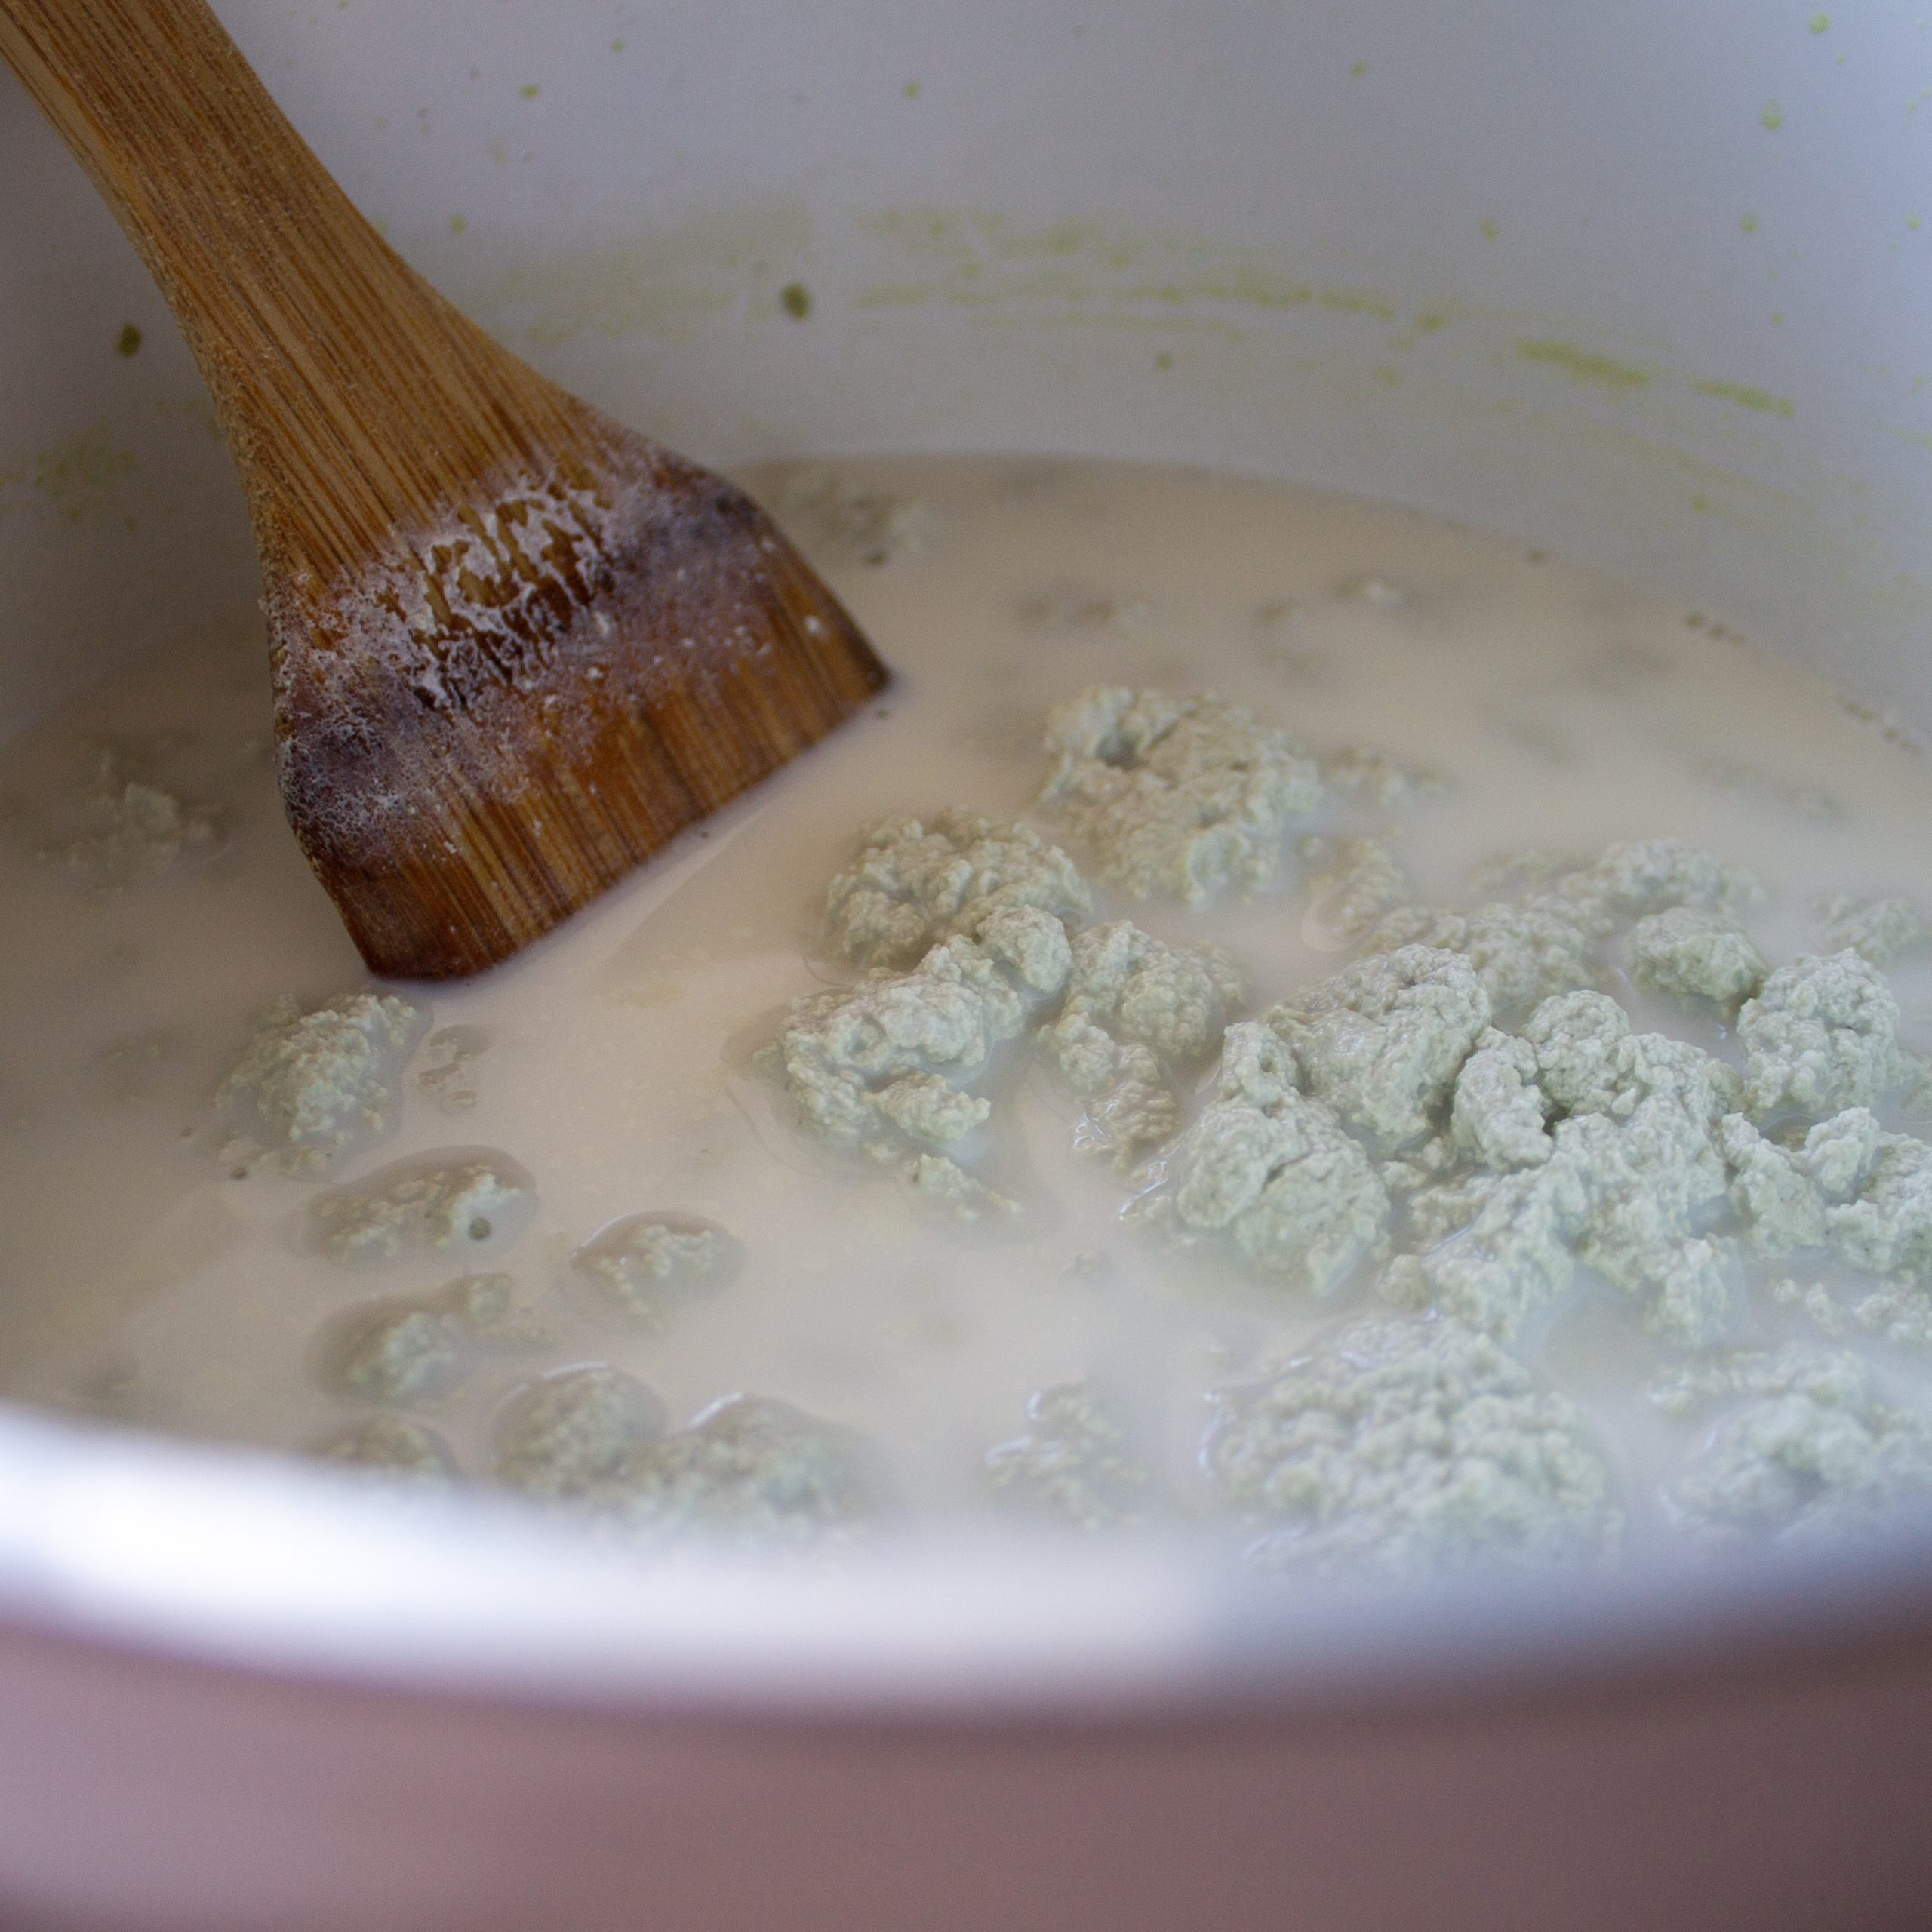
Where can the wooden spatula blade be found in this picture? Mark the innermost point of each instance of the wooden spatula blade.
(488, 727)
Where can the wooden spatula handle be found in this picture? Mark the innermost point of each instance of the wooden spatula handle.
(346, 384)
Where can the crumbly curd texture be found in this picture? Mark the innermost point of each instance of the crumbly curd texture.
(1288, 1024)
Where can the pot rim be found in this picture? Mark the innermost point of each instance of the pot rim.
(240, 1559)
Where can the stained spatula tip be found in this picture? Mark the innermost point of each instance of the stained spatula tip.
(504, 716)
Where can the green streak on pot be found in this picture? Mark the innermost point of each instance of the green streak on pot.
(1584, 365)
(1748, 397)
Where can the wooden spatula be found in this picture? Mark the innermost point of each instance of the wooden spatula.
(516, 647)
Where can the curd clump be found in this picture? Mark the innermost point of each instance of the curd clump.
(466, 1200)
(650, 1264)
(135, 831)
(917, 882)
(310, 1085)
(1273, 1173)
(1405, 1446)
(1074, 1463)
(408, 1351)
(1183, 796)
(1139, 1012)
(1804, 1443)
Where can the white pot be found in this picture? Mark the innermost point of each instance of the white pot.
(1643, 283)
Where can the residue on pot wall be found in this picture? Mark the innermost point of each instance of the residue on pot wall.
(75, 480)
(1747, 395)
(668, 283)
(1584, 365)
(1312, 362)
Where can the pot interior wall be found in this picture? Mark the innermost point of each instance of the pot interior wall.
(1639, 285)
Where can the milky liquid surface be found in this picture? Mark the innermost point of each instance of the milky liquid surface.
(614, 1061)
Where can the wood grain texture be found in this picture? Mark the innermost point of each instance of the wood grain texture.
(516, 646)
